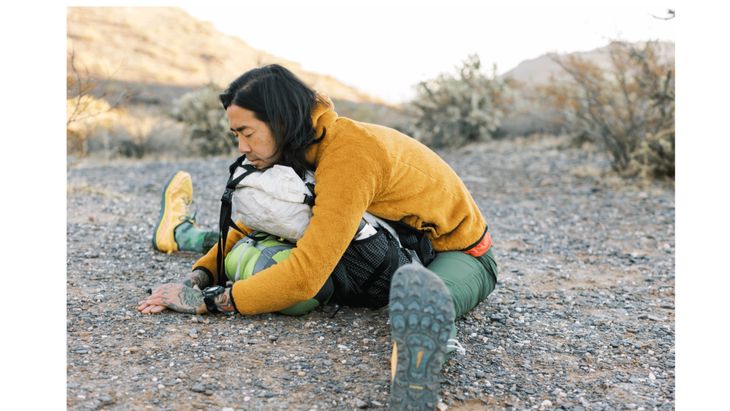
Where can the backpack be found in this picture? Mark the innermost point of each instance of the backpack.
(361, 277)
(259, 251)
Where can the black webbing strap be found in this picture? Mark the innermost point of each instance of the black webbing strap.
(420, 246)
(225, 222)
(309, 200)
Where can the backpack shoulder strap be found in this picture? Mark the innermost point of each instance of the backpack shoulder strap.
(225, 222)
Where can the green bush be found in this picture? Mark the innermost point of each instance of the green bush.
(457, 109)
(203, 115)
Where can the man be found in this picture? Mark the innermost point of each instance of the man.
(358, 167)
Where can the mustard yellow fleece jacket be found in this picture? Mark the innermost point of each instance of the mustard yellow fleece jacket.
(359, 167)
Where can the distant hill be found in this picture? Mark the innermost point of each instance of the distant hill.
(166, 48)
(539, 70)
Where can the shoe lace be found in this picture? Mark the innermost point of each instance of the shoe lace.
(188, 204)
(458, 347)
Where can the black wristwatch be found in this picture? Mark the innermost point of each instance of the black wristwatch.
(208, 294)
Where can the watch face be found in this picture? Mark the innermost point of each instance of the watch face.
(215, 290)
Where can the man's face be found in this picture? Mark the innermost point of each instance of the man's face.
(254, 137)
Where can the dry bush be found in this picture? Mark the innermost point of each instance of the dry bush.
(627, 109)
(87, 110)
(202, 113)
(140, 132)
(453, 110)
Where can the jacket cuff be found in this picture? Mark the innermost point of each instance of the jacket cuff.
(230, 295)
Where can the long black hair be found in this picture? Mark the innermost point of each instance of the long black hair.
(281, 100)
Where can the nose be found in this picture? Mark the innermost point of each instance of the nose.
(243, 148)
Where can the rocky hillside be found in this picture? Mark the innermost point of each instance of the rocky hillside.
(166, 47)
(539, 70)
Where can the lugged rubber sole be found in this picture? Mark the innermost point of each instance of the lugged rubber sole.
(421, 319)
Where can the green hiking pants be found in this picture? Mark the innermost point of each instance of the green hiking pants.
(469, 279)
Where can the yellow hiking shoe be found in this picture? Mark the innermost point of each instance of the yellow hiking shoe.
(175, 210)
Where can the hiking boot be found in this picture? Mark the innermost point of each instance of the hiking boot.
(421, 320)
(175, 210)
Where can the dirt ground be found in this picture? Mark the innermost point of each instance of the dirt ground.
(582, 317)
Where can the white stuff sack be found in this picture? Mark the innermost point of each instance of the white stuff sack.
(272, 201)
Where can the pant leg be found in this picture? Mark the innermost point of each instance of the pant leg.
(190, 238)
(469, 280)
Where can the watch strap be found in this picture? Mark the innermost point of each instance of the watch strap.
(210, 304)
(209, 297)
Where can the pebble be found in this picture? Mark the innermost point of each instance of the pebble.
(198, 388)
(360, 403)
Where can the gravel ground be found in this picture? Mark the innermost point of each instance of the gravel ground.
(582, 317)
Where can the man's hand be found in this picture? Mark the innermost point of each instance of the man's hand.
(177, 297)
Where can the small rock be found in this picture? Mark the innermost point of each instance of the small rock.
(360, 403)
(376, 403)
(198, 388)
(193, 332)
(547, 403)
(227, 409)
(252, 342)
(273, 337)
(105, 399)
(442, 406)
(208, 392)
(652, 376)
(301, 374)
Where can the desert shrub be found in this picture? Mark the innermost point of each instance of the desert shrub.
(457, 109)
(139, 131)
(203, 115)
(87, 110)
(628, 109)
(85, 116)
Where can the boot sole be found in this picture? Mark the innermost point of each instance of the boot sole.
(421, 319)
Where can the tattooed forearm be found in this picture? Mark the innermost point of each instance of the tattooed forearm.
(190, 297)
(199, 278)
(224, 301)
(184, 310)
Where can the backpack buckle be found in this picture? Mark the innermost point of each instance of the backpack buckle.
(227, 196)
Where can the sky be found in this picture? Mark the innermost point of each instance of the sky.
(385, 48)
